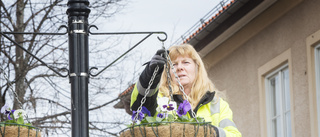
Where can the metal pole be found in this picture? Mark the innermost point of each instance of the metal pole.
(78, 13)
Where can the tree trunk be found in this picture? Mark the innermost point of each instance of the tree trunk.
(20, 68)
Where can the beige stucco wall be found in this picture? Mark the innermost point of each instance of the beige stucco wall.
(237, 73)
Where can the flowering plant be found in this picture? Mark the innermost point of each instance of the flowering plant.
(14, 116)
(167, 112)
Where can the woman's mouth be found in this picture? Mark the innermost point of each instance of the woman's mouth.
(181, 76)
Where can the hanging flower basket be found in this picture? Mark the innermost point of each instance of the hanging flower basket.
(170, 129)
(18, 130)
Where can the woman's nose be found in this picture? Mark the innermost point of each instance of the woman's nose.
(178, 67)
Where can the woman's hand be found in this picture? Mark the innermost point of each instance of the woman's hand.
(157, 60)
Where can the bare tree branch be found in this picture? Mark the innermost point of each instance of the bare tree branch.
(29, 78)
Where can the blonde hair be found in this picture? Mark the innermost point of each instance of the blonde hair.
(202, 83)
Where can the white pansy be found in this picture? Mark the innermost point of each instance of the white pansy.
(19, 112)
(161, 102)
(174, 105)
(165, 105)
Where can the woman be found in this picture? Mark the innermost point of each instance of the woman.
(197, 86)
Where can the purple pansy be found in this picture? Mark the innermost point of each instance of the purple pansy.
(161, 115)
(145, 111)
(140, 115)
(6, 110)
(183, 108)
(9, 114)
(169, 107)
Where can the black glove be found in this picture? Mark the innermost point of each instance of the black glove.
(157, 60)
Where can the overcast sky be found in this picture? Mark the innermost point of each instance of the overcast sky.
(174, 17)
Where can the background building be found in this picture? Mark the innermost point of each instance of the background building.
(265, 56)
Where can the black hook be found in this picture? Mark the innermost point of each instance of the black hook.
(91, 70)
(92, 26)
(165, 38)
(64, 26)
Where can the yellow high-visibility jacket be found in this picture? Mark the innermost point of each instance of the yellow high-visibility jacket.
(211, 108)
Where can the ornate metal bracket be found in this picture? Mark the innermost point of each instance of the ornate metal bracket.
(43, 63)
(123, 33)
(92, 33)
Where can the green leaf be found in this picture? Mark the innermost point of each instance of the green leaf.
(20, 120)
(28, 124)
(200, 119)
(184, 118)
(150, 119)
(143, 121)
(170, 117)
(190, 120)
(11, 121)
(159, 119)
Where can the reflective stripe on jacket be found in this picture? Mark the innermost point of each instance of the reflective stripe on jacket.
(220, 115)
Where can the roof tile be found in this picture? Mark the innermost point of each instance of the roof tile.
(128, 90)
(209, 21)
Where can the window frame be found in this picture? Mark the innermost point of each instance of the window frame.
(265, 69)
(269, 100)
(317, 81)
(312, 41)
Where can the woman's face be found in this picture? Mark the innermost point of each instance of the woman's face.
(185, 68)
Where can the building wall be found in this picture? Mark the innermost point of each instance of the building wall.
(237, 76)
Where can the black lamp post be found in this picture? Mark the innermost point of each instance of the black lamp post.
(78, 12)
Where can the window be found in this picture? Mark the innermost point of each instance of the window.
(313, 58)
(275, 95)
(317, 71)
(278, 103)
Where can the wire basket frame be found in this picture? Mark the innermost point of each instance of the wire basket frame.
(18, 130)
(170, 129)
